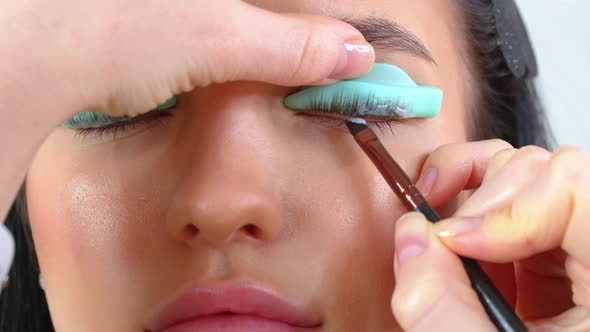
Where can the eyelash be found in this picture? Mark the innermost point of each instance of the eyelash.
(346, 106)
(343, 107)
(155, 117)
(336, 122)
(87, 123)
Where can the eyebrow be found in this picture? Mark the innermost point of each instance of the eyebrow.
(386, 34)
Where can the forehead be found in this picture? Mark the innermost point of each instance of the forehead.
(423, 17)
(334, 7)
(434, 22)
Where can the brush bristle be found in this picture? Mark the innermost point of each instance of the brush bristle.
(358, 120)
(356, 127)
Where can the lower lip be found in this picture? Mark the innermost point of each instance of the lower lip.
(235, 323)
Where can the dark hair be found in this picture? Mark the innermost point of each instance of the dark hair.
(507, 108)
(23, 307)
(502, 105)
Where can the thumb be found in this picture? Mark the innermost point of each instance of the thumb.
(290, 49)
(432, 291)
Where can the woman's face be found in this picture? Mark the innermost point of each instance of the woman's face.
(234, 191)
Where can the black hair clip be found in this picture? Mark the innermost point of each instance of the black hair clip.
(514, 40)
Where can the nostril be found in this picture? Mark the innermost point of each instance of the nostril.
(252, 230)
(190, 230)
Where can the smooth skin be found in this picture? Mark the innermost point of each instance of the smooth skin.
(108, 214)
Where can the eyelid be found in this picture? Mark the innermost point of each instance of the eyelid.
(94, 120)
(129, 128)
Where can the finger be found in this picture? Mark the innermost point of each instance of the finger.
(548, 213)
(432, 291)
(301, 50)
(579, 274)
(200, 43)
(575, 319)
(456, 167)
(514, 171)
(497, 162)
(540, 278)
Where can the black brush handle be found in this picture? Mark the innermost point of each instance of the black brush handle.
(498, 310)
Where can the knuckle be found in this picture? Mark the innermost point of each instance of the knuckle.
(498, 160)
(449, 147)
(533, 227)
(532, 236)
(446, 148)
(531, 149)
(569, 149)
(459, 150)
(569, 156)
(581, 290)
(534, 152)
(502, 154)
(310, 54)
(533, 155)
(566, 161)
(499, 144)
(445, 152)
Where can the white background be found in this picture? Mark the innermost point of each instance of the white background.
(560, 32)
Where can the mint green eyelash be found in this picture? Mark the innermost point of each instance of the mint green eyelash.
(386, 92)
(94, 120)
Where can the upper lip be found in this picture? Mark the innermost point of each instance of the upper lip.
(245, 299)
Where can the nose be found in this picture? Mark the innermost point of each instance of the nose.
(225, 192)
(222, 211)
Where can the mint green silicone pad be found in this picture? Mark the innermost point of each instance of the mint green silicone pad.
(385, 85)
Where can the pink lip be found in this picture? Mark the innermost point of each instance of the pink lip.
(234, 308)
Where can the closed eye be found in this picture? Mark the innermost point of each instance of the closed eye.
(101, 124)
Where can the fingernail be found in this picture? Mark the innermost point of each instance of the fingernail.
(426, 180)
(457, 226)
(356, 57)
(411, 238)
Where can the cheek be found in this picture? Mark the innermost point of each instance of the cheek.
(83, 202)
(345, 214)
(359, 240)
(72, 213)
(80, 227)
(83, 212)
(361, 211)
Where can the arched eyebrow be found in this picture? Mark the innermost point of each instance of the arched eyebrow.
(386, 34)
